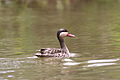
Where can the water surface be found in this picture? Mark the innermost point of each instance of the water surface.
(26, 26)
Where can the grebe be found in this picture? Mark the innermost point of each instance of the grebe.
(57, 52)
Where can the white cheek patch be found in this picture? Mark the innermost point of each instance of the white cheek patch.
(63, 34)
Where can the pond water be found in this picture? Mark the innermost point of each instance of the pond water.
(28, 25)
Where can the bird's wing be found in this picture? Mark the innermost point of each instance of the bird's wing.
(49, 50)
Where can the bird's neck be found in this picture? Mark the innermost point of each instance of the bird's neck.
(62, 44)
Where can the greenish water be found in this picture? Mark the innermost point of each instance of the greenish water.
(26, 26)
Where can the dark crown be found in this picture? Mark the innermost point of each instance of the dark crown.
(61, 30)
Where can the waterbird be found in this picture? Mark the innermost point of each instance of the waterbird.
(63, 51)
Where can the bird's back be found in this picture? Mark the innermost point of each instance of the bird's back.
(51, 52)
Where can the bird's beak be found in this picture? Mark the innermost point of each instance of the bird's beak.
(70, 35)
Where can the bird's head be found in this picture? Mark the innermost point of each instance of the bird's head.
(64, 33)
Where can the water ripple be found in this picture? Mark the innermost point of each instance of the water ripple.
(71, 63)
(91, 63)
(103, 60)
(100, 64)
(8, 71)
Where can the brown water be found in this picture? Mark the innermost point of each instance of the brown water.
(26, 26)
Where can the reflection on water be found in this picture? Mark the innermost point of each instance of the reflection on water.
(92, 63)
(28, 25)
(55, 68)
